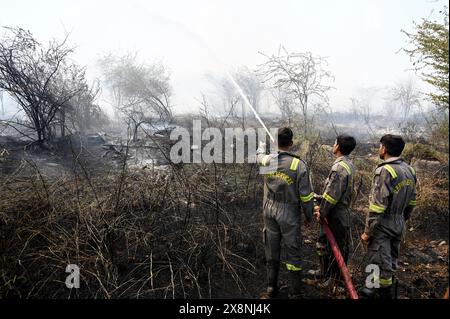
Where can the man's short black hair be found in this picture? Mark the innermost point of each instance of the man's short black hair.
(394, 144)
(346, 143)
(285, 136)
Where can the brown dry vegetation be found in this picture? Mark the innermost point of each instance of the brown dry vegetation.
(190, 232)
(132, 234)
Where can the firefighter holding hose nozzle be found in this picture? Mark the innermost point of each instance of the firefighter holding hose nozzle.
(287, 194)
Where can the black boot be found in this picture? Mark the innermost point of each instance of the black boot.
(367, 293)
(272, 280)
(295, 284)
(385, 292)
(395, 286)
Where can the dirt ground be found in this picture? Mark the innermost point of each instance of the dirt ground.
(422, 271)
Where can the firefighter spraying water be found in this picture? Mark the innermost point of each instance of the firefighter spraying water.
(282, 206)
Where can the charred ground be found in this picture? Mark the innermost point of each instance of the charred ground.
(185, 231)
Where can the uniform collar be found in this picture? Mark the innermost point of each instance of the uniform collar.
(287, 153)
(391, 160)
(340, 158)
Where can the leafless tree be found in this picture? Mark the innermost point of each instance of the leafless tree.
(141, 91)
(362, 107)
(36, 77)
(301, 75)
(83, 112)
(405, 97)
(230, 99)
(251, 84)
(226, 95)
(284, 102)
(1, 102)
(74, 79)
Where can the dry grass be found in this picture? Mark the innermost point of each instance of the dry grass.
(133, 235)
(189, 232)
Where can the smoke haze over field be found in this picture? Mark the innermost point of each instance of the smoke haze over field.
(360, 39)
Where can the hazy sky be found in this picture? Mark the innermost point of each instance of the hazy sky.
(361, 38)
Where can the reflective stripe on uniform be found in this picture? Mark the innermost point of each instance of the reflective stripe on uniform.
(385, 281)
(329, 199)
(391, 170)
(412, 203)
(293, 267)
(264, 160)
(347, 168)
(404, 183)
(294, 164)
(377, 209)
(413, 171)
(284, 177)
(307, 198)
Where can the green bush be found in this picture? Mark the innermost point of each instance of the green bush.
(420, 151)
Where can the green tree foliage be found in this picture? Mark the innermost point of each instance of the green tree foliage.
(429, 53)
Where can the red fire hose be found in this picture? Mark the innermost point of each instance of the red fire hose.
(340, 261)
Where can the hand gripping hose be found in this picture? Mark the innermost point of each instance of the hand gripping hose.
(340, 261)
